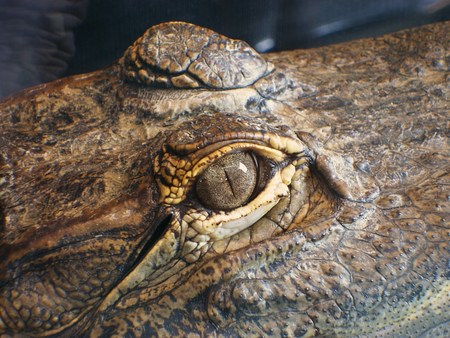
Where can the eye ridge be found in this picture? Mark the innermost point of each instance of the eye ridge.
(243, 185)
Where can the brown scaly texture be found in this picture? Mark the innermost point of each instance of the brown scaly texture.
(182, 55)
(103, 234)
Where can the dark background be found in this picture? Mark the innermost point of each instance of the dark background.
(41, 40)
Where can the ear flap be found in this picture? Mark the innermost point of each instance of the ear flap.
(346, 179)
(341, 174)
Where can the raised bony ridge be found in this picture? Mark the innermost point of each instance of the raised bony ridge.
(183, 55)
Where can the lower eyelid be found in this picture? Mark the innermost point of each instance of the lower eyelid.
(228, 223)
(230, 228)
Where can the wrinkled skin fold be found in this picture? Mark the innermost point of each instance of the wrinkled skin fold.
(170, 195)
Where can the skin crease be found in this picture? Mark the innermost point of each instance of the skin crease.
(345, 233)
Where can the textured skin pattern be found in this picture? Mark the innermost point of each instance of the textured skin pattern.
(103, 234)
(182, 55)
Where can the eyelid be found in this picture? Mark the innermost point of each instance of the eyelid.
(199, 149)
(171, 194)
(225, 224)
(179, 166)
(257, 149)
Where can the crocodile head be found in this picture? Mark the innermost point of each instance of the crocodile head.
(191, 188)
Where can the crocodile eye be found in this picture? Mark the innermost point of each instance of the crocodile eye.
(229, 182)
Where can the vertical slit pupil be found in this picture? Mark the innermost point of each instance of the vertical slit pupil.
(229, 182)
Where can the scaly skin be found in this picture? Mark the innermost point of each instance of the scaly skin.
(308, 199)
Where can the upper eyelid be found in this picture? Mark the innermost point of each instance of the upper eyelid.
(264, 151)
(284, 143)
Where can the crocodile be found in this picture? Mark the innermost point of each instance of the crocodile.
(197, 188)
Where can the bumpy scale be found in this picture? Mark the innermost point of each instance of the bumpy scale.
(182, 55)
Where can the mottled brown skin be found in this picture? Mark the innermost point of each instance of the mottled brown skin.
(183, 55)
(103, 234)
